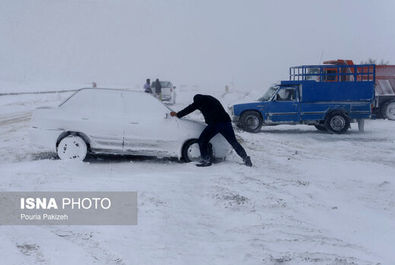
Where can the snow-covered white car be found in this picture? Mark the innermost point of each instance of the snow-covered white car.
(168, 91)
(115, 121)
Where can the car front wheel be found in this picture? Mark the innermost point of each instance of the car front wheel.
(72, 147)
(191, 151)
(251, 121)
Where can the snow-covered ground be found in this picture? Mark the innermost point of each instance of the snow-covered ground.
(311, 198)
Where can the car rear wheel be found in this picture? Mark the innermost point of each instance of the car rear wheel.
(251, 121)
(191, 151)
(389, 110)
(337, 122)
(72, 147)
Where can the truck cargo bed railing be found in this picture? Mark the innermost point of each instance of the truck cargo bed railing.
(334, 73)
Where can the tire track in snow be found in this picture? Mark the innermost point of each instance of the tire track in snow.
(87, 242)
(6, 120)
(284, 229)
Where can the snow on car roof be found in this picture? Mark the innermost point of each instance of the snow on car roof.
(139, 98)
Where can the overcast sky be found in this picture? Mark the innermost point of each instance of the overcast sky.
(205, 42)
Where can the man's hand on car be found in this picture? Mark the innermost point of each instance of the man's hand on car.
(173, 113)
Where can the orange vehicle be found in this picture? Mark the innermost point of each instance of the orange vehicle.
(384, 87)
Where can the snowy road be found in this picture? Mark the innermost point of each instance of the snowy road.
(311, 198)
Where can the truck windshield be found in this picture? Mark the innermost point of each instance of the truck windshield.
(269, 93)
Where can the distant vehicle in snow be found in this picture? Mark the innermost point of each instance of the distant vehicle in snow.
(115, 121)
(384, 106)
(168, 92)
(329, 97)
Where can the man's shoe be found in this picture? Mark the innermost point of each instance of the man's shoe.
(204, 163)
(247, 161)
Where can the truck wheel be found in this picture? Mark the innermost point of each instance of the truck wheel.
(388, 110)
(191, 152)
(320, 127)
(251, 121)
(337, 122)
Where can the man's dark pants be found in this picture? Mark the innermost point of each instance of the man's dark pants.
(224, 128)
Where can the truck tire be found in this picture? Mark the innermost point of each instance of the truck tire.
(388, 110)
(320, 127)
(251, 121)
(337, 122)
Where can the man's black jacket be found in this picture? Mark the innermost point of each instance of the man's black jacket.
(210, 107)
(158, 87)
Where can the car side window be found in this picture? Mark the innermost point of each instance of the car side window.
(108, 103)
(95, 103)
(139, 106)
(286, 94)
(79, 104)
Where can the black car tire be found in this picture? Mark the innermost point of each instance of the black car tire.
(251, 121)
(186, 151)
(337, 122)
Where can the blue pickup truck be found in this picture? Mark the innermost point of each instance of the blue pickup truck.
(328, 97)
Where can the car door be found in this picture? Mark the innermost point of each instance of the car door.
(97, 114)
(149, 130)
(284, 108)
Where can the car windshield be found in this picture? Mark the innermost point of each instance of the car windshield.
(269, 93)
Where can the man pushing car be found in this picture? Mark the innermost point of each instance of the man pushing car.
(218, 121)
